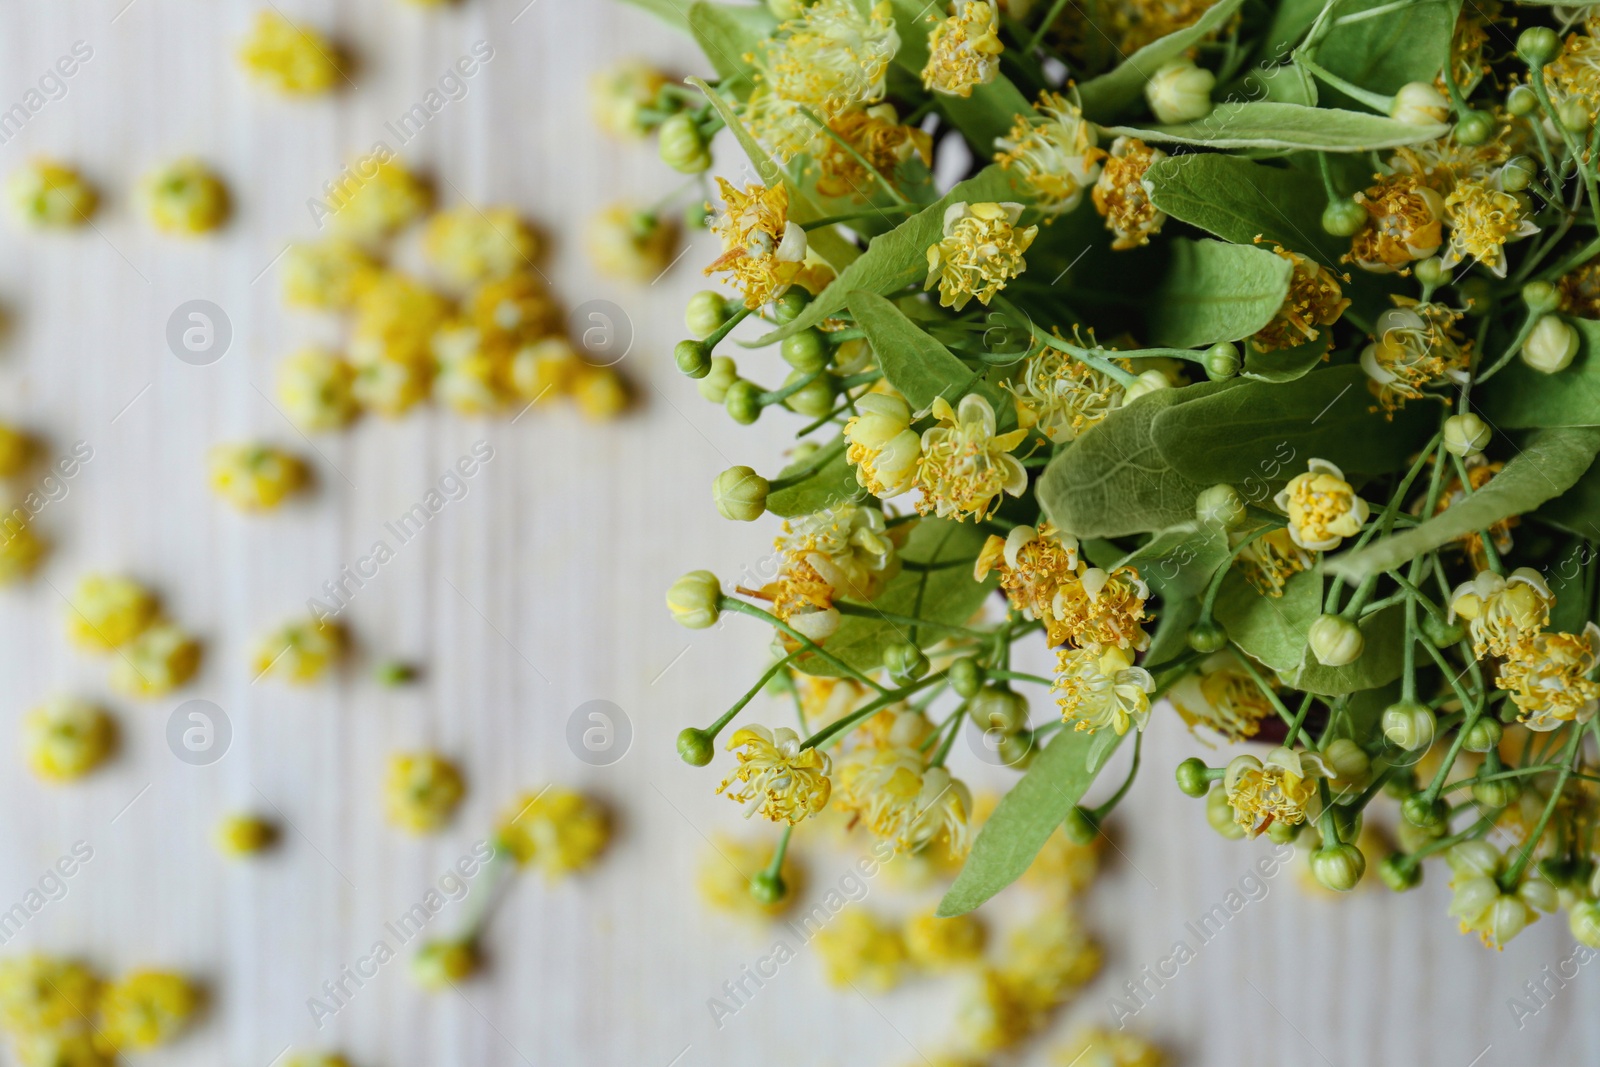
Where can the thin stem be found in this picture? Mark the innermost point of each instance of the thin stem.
(729, 603)
(836, 729)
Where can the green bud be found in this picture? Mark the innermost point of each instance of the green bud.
(1551, 347)
(1192, 779)
(1475, 127)
(1518, 174)
(715, 382)
(1432, 272)
(1538, 45)
(1220, 505)
(1149, 382)
(1399, 873)
(1335, 640)
(1219, 813)
(1478, 294)
(805, 351)
(695, 600)
(1081, 826)
(1521, 100)
(1442, 634)
(1483, 736)
(1284, 833)
(1344, 218)
(697, 216)
(965, 677)
(706, 313)
(1208, 636)
(1338, 867)
(394, 674)
(904, 661)
(1541, 297)
(1500, 793)
(693, 358)
(743, 401)
(1350, 761)
(1400, 784)
(1466, 435)
(1573, 115)
(998, 708)
(682, 146)
(695, 747)
(1222, 361)
(1409, 725)
(441, 964)
(1419, 811)
(740, 494)
(787, 307)
(815, 398)
(1017, 750)
(768, 888)
(1583, 920)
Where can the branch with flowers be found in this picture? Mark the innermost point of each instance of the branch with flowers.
(1252, 364)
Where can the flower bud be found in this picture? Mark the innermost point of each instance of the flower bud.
(1483, 736)
(740, 494)
(1284, 833)
(1221, 505)
(1521, 100)
(997, 708)
(1573, 115)
(787, 307)
(1478, 295)
(805, 351)
(1344, 218)
(814, 399)
(965, 676)
(1418, 810)
(692, 358)
(1149, 382)
(682, 146)
(714, 383)
(1219, 813)
(1192, 779)
(1518, 174)
(1017, 750)
(1584, 922)
(1335, 640)
(904, 661)
(441, 964)
(1398, 873)
(1338, 867)
(768, 888)
(1466, 435)
(695, 746)
(1541, 298)
(695, 600)
(1222, 361)
(706, 313)
(1409, 725)
(1080, 826)
(1350, 761)
(1538, 45)
(1441, 633)
(1208, 636)
(1474, 128)
(1551, 346)
(1500, 793)
(1419, 104)
(1432, 272)
(1179, 91)
(743, 401)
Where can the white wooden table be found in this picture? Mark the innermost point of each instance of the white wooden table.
(538, 591)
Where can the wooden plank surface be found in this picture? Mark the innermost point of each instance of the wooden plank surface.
(538, 590)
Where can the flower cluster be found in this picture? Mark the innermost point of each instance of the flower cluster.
(58, 1011)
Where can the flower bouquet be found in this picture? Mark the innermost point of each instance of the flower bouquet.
(1247, 355)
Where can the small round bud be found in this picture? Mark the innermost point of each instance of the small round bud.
(1518, 174)
(740, 494)
(697, 216)
(1432, 272)
(1500, 793)
(1398, 873)
(1466, 435)
(1573, 115)
(1538, 45)
(441, 964)
(998, 708)
(787, 307)
(1208, 636)
(1344, 218)
(1338, 867)
(1284, 833)
(1400, 784)
(1521, 100)
(1219, 813)
(814, 399)
(1409, 725)
(965, 677)
(1222, 361)
(1475, 127)
(1419, 104)
(1350, 761)
(1080, 826)
(1440, 633)
(1221, 505)
(1483, 735)
(1336, 641)
(1017, 750)
(693, 358)
(1418, 810)
(743, 401)
(1179, 91)
(805, 351)
(1478, 295)
(1551, 346)
(1541, 298)
(1584, 923)
(1192, 779)
(904, 661)
(706, 313)
(695, 600)
(695, 746)
(682, 146)
(768, 888)
(395, 673)
(1149, 382)
(715, 382)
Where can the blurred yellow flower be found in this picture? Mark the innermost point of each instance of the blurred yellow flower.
(289, 57)
(185, 198)
(162, 658)
(300, 651)
(48, 193)
(65, 738)
(108, 611)
(421, 791)
(255, 477)
(558, 830)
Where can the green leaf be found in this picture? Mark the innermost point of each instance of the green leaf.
(1578, 509)
(898, 258)
(947, 594)
(1180, 560)
(919, 367)
(1549, 463)
(728, 34)
(672, 12)
(1239, 200)
(834, 483)
(1285, 364)
(1258, 435)
(1266, 124)
(1381, 52)
(1109, 94)
(1113, 480)
(1214, 291)
(1522, 398)
(1061, 774)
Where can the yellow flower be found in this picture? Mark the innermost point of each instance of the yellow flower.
(631, 245)
(965, 465)
(1223, 697)
(45, 995)
(146, 1009)
(1107, 34)
(317, 389)
(618, 93)
(1322, 507)
(992, 1013)
(762, 248)
(1271, 560)
(1503, 614)
(964, 50)
(1281, 788)
(326, 275)
(558, 830)
(469, 246)
(858, 950)
(292, 58)
(239, 835)
(299, 651)
(1314, 299)
(1055, 154)
(1035, 565)
(20, 550)
(390, 386)
(66, 739)
(395, 318)
(943, 944)
(516, 308)
(1102, 689)
(185, 197)
(255, 477)
(473, 374)
(899, 799)
(1404, 224)
(1480, 471)
(600, 393)
(980, 252)
(846, 547)
(1481, 221)
(1575, 72)
(777, 777)
(1549, 678)
(77, 1048)
(1121, 196)
(45, 192)
(1097, 1047)
(421, 791)
(726, 868)
(108, 611)
(1061, 396)
(884, 449)
(544, 370)
(877, 137)
(376, 196)
(159, 660)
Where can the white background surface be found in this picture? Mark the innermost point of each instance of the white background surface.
(539, 591)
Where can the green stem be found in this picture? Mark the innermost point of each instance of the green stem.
(1513, 874)
(729, 603)
(835, 729)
